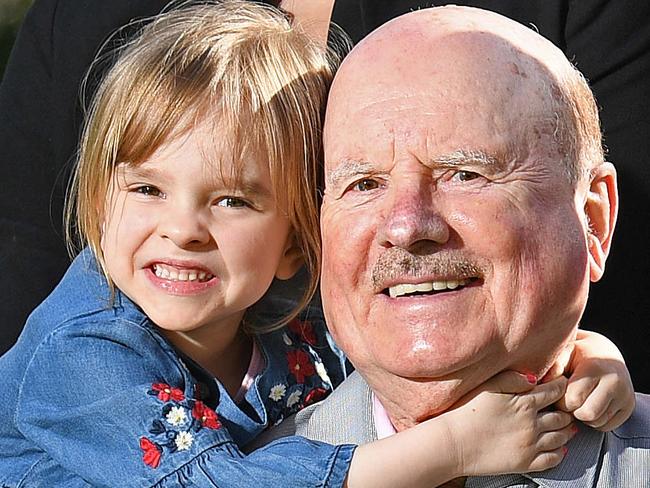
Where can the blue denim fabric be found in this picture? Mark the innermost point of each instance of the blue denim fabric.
(93, 395)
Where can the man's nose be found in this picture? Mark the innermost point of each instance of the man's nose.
(184, 226)
(411, 217)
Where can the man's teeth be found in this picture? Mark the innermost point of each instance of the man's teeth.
(173, 274)
(407, 288)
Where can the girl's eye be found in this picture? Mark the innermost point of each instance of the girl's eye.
(232, 202)
(150, 191)
(365, 184)
(465, 175)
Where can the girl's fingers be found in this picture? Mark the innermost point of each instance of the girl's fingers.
(577, 392)
(550, 421)
(549, 441)
(610, 424)
(547, 394)
(510, 382)
(548, 460)
(595, 406)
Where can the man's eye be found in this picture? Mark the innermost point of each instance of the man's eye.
(365, 184)
(232, 202)
(148, 190)
(465, 175)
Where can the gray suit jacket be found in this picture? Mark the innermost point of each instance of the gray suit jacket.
(618, 459)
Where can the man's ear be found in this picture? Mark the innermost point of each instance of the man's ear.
(601, 208)
(291, 260)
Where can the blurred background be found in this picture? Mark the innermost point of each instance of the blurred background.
(11, 15)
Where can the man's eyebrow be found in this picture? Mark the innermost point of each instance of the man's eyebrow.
(465, 157)
(346, 169)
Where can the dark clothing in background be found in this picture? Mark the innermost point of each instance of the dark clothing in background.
(40, 119)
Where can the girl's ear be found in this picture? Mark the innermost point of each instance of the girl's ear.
(601, 208)
(291, 260)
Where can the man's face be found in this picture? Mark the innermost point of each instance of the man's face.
(454, 243)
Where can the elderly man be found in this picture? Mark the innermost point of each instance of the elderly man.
(467, 207)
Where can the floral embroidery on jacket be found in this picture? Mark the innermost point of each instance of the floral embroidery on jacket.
(304, 331)
(164, 392)
(151, 452)
(310, 371)
(180, 420)
(315, 395)
(300, 364)
(205, 415)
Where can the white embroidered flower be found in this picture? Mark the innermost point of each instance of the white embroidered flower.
(322, 372)
(293, 398)
(277, 392)
(184, 441)
(176, 416)
(287, 340)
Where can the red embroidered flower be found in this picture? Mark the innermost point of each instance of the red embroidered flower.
(304, 330)
(151, 452)
(300, 364)
(315, 395)
(205, 415)
(166, 392)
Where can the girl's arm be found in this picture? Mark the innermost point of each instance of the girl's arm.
(500, 428)
(108, 402)
(600, 392)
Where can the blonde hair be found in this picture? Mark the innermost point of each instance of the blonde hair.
(236, 60)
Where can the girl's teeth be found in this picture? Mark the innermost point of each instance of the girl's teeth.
(173, 275)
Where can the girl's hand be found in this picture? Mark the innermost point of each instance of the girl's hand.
(503, 427)
(600, 391)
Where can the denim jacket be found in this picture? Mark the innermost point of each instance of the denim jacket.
(93, 395)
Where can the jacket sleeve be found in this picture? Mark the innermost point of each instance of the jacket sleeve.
(106, 402)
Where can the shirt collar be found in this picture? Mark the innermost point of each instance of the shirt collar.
(383, 425)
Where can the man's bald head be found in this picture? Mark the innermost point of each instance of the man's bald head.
(463, 42)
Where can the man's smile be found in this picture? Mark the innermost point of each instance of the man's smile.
(428, 287)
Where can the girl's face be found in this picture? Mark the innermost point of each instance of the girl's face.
(190, 246)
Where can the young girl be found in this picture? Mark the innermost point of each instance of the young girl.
(196, 186)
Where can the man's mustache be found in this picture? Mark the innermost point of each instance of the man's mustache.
(397, 263)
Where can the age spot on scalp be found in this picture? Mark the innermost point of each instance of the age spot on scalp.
(515, 70)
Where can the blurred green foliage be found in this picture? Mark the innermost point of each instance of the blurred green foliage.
(11, 16)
